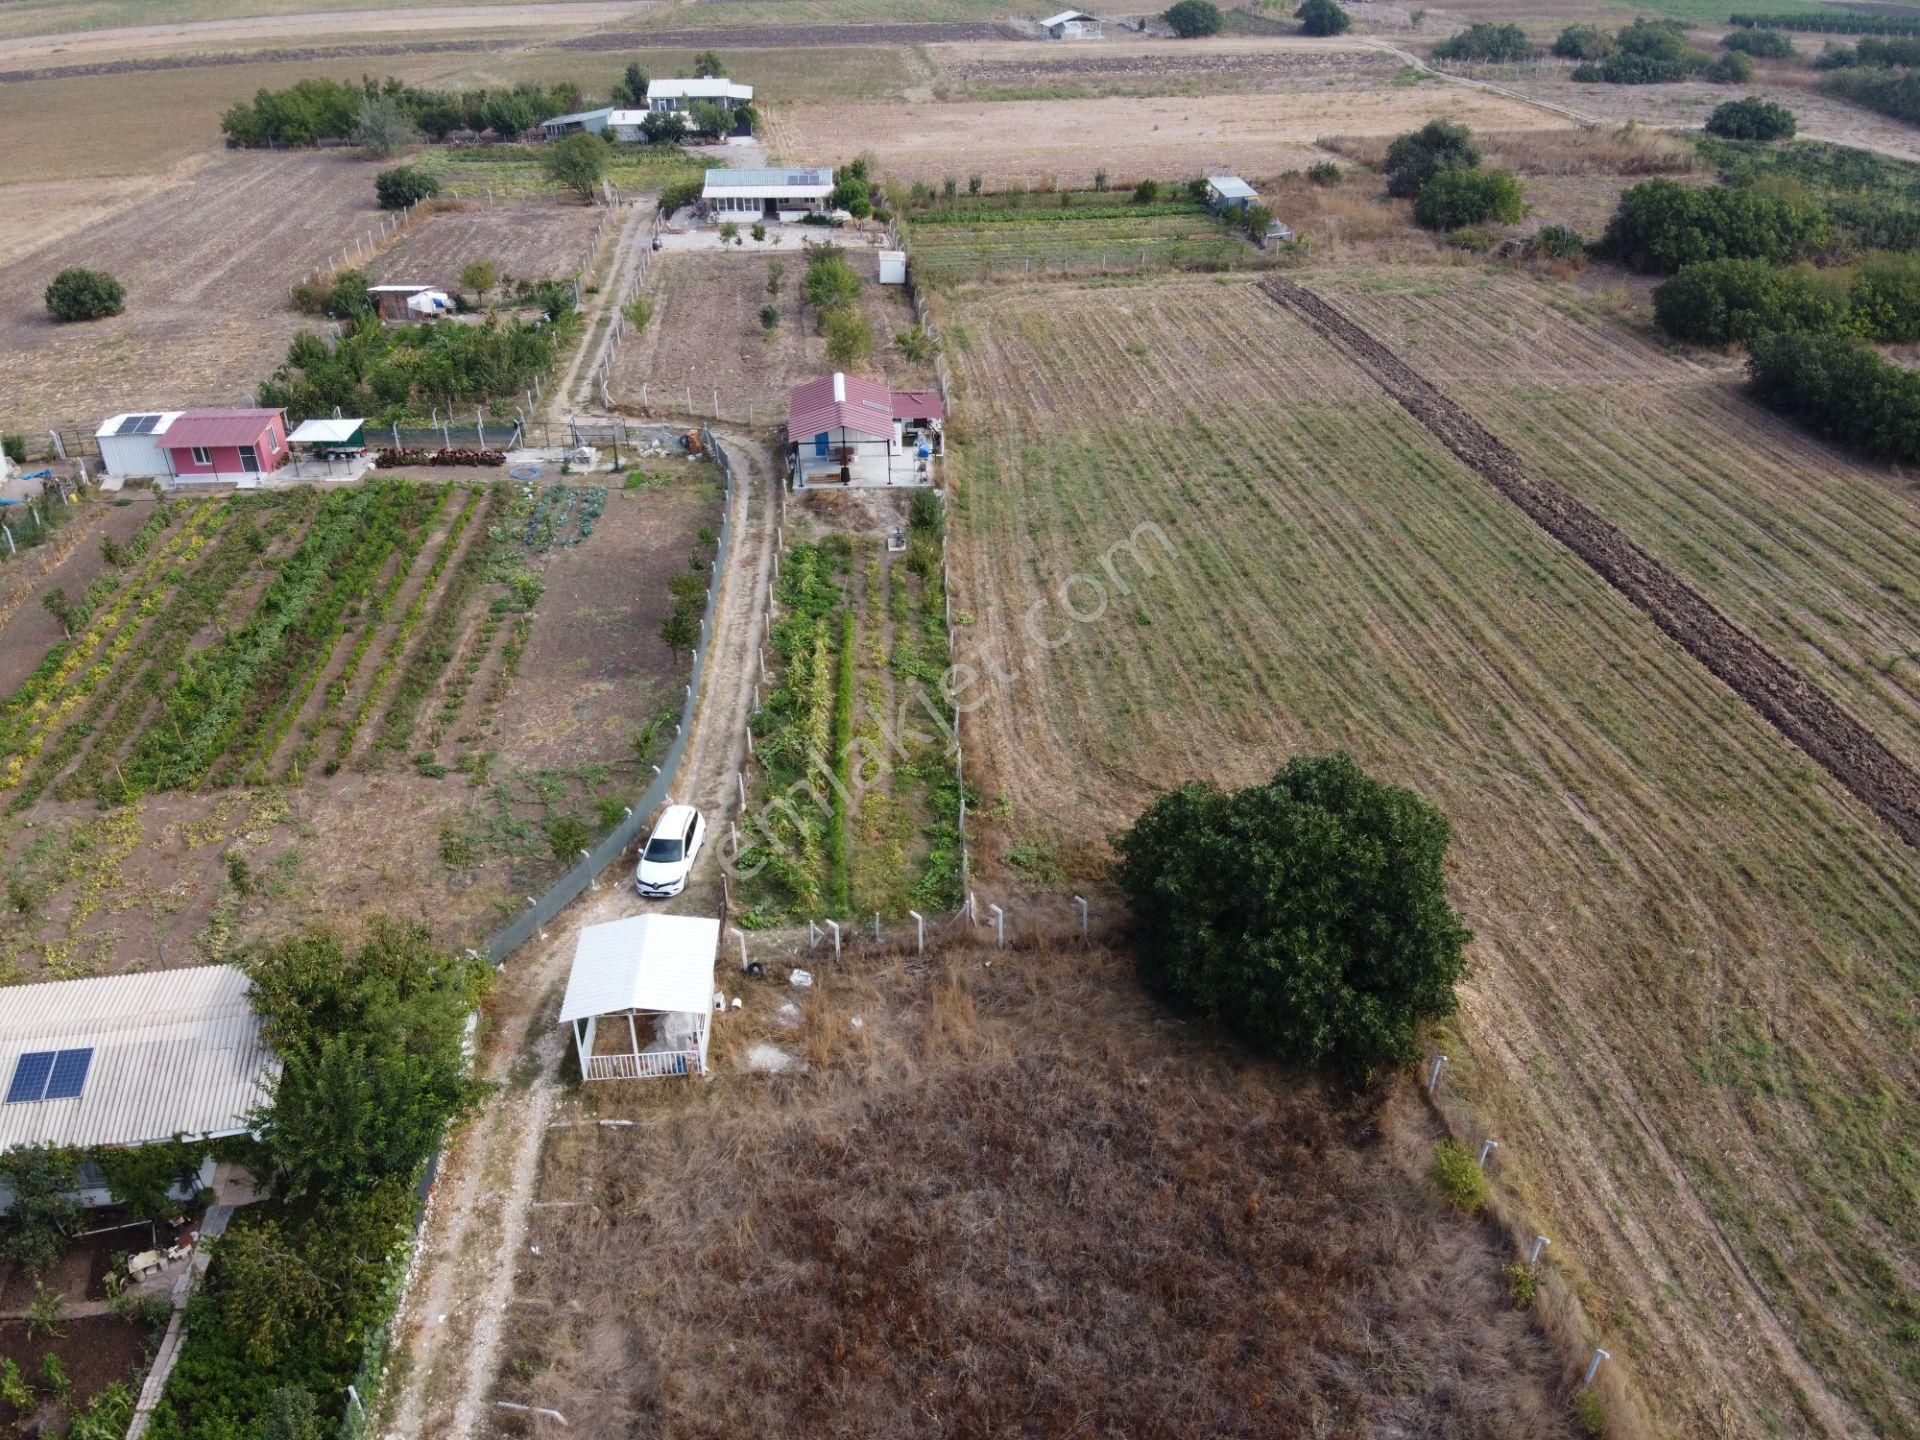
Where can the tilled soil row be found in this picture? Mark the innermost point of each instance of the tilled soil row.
(363, 50)
(774, 37)
(1791, 703)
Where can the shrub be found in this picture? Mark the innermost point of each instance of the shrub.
(402, 186)
(1733, 68)
(1486, 41)
(680, 194)
(1557, 242)
(1885, 298)
(14, 447)
(479, 276)
(1635, 70)
(1468, 197)
(577, 162)
(1891, 92)
(1662, 225)
(708, 65)
(1583, 42)
(830, 281)
(1413, 160)
(1523, 1284)
(849, 337)
(1735, 302)
(1324, 172)
(1323, 17)
(81, 294)
(769, 317)
(1146, 192)
(1751, 119)
(664, 127)
(1839, 387)
(567, 837)
(44, 1214)
(1309, 914)
(1761, 44)
(1458, 1177)
(1190, 19)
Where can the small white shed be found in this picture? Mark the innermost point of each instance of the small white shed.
(651, 969)
(130, 444)
(893, 267)
(1071, 25)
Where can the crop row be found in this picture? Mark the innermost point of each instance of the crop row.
(396, 648)
(1172, 242)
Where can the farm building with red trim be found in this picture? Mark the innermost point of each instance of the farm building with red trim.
(842, 430)
(231, 445)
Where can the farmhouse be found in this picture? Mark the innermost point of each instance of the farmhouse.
(681, 95)
(766, 194)
(131, 445)
(656, 969)
(842, 430)
(122, 1061)
(590, 122)
(1071, 25)
(237, 445)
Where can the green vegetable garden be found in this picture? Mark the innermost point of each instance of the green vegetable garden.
(855, 807)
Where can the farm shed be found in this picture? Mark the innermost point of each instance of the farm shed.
(1227, 194)
(591, 122)
(1071, 25)
(842, 430)
(682, 95)
(766, 194)
(130, 445)
(130, 1060)
(652, 968)
(893, 267)
(239, 445)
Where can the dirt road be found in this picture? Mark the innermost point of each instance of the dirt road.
(453, 1321)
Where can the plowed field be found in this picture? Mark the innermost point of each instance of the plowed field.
(1690, 1016)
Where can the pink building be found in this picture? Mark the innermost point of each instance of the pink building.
(842, 430)
(237, 445)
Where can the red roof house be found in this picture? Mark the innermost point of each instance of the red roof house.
(236, 445)
(845, 430)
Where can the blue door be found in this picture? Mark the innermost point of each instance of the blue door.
(820, 445)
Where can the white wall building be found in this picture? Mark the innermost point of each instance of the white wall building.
(130, 444)
(1071, 25)
(681, 95)
(766, 194)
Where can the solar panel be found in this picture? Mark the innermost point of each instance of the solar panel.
(69, 1074)
(30, 1076)
(137, 425)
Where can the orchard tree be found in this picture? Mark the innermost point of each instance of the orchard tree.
(708, 65)
(402, 186)
(1190, 19)
(1309, 914)
(82, 294)
(1752, 119)
(1439, 145)
(577, 162)
(1455, 198)
(383, 129)
(1323, 17)
(480, 276)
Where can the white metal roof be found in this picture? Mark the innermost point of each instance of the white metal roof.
(324, 432)
(110, 427)
(1231, 187)
(175, 1052)
(578, 116)
(645, 962)
(799, 183)
(1063, 17)
(709, 88)
(398, 289)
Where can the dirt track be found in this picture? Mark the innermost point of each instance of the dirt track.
(774, 37)
(1850, 752)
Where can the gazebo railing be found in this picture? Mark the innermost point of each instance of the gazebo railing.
(653, 1065)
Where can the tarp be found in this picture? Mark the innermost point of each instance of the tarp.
(326, 432)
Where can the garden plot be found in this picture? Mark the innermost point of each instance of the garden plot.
(705, 336)
(1132, 138)
(1041, 235)
(1125, 66)
(281, 706)
(859, 806)
(536, 240)
(1632, 841)
(207, 316)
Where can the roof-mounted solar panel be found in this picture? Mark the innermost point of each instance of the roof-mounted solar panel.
(69, 1075)
(30, 1074)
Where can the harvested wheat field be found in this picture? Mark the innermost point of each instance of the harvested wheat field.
(286, 706)
(1689, 1017)
(1011, 1199)
(1022, 70)
(526, 240)
(206, 265)
(705, 344)
(1165, 137)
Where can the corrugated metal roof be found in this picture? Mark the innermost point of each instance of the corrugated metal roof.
(1231, 187)
(175, 1052)
(325, 432)
(918, 405)
(815, 182)
(1063, 17)
(644, 962)
(578, 117)
(218, 427)
(837, 402)
(698, 88)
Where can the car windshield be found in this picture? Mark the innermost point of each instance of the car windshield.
(663, 850)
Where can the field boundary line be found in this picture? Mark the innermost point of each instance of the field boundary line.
(1796, 707)
(1408, 57)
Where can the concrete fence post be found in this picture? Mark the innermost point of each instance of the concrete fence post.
(1433, 1080)
(919, 932)
(1080, 904)
(1594, 1368)
(1540, 1242)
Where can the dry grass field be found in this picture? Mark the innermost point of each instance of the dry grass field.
(295, 705)
(206, 267)
(1689, 1017)
(705, 336)
(1024, 70)
(529, 240)
(1011, 1199)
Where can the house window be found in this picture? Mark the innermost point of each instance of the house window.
(249, 460)
(202, 455)
(273, 443)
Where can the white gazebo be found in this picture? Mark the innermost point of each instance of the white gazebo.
(657, 968)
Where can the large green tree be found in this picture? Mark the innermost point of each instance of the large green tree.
(1191, 19)
(577, 162)
(1309, 914)
(1413, 160)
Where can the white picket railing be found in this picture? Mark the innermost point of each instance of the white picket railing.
(654, 1065)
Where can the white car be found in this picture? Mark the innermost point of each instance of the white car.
(668, 856)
